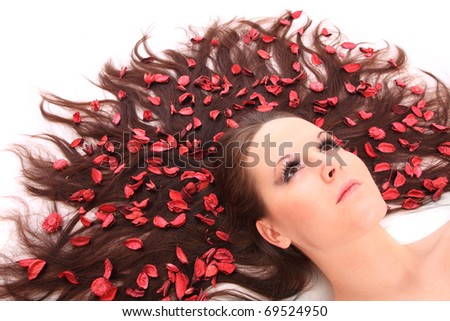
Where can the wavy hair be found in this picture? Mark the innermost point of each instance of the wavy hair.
(149, 208)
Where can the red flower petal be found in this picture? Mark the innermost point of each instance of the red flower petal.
(350, 88)
(142, 280)
(381, 167)
(348, 45)
(181, 284)
(178, 221)
(330, 50)
(96, 176)
(349, 122)
(76, 117)
(80, 240)
(315, 59)
(151, 270)
(390, 194)
(160, 222)
(417, 90)
(296, 14)
(108, 269)
(398, 127)
(116, 119)
(199, 268)
(399, 180)
(439, 128)
(69, 275)
(410, 204)
(364, 115)
(52, 223)
(95, 105)
(154, 100)
(236, 69)
(121, 94)
(444, 148)
(35, 268)
(317, 86)
(427, 115)
(101, 286)
(263, 54)
(223, 236)
(77, 142)
(134, 243)
(415, 193)
(369, 150)
(181, 255)
(226, 268)
(350, 68)
(60, 164)
(386, 148)
(231, 123)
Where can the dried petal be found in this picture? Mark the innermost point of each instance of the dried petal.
(263, 54)
(121, 95)
(386, 148)
(351, 68)
(315, 59)
(415, 193)
(427, 115)
(399, 180)
(444, 148)
(69, 275)
(317, 86)
(155, 100)
(142, 280)
(116, 119)
(398, 127)
(178, 221)
(80, 240)
(349, 122)
(34, 268)
(181, 284)
(364, 115)
(100, 286)
(96, 176)
(181, 255)
(369, 150)
(60, 164)
(380, 167)
(417, 90)
(76, 142)
(76, 117)
(134, 243)
(410, 204)
(390, 194)
(231, 123)
(348, 45)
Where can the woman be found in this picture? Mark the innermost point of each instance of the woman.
(160, 194)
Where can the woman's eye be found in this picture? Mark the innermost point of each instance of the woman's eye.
(290, 169)
(328, 144)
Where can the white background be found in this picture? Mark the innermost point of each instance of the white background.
(57, 46)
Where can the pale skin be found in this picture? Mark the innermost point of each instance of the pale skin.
(329, 207)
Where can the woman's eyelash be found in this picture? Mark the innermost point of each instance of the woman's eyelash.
(290, 168)
(328, 143)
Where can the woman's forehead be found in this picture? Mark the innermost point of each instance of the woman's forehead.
(285, 129)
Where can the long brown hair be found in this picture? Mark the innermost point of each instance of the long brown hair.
(150, 212)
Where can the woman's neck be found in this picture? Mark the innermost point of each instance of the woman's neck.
(368, 268)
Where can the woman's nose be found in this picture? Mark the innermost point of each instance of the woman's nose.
(326, 165)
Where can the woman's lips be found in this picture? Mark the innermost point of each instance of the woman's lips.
(347, 188)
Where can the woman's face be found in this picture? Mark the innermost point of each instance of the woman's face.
(317, 195)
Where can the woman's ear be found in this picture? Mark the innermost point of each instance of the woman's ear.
(271, 235)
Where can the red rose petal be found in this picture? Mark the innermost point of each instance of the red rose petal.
(108, 269)
(181, 255)
(134, 243)
(399, 180)
(369, 150)
(444, 148)
(96, 176)
(386, 148)
(390, 194)
(350, 88)
(410, 204)
(181, 284)
(142, 280)
(80, 240)
(76, 117)
(380, 167)
(364, 115)
(315, 59)
(348, 45)
(317, 86)
(69, 275)
(351, 68)
(263, 54)
(35, 268)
